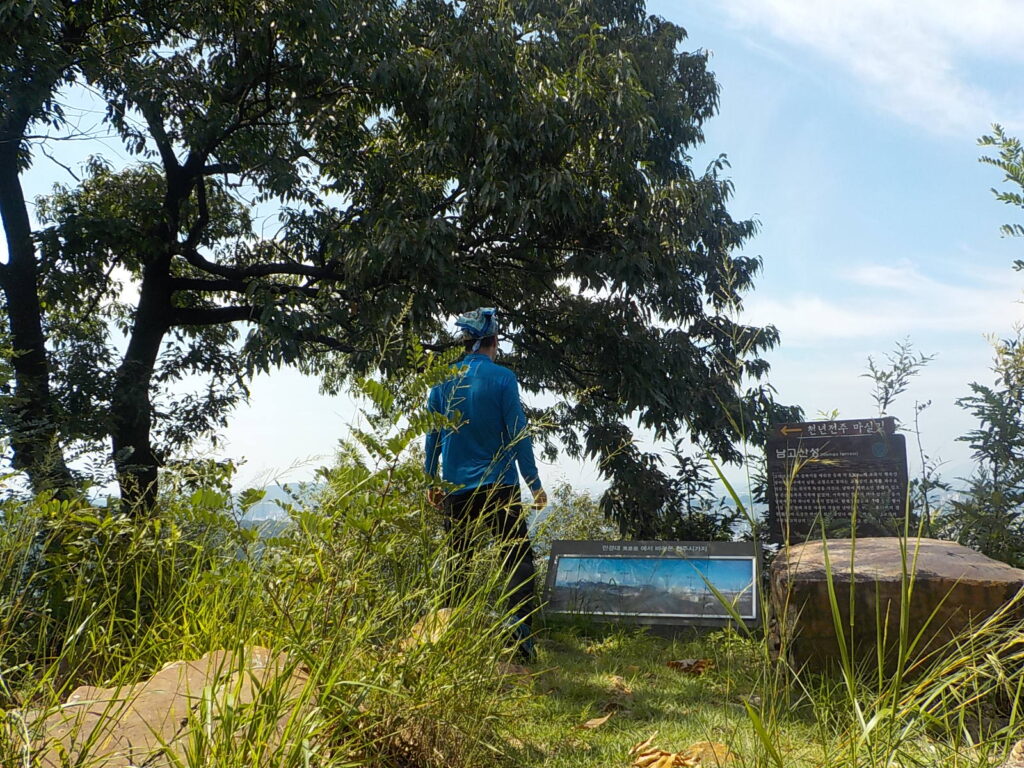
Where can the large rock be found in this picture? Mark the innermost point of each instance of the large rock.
(153, 722)
(953, 588)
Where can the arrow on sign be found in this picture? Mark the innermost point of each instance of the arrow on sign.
(786, 431)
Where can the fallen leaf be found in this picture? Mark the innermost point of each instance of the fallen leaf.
(693, 667)
(597, 722)
(429, 629)
(1016, 756)
(619, 685)
(636, 749)
(508, 669)
(645, 755)
(649, 758)
(659, 758)
(711, 753)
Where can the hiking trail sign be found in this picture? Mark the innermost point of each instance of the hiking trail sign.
(832, 472)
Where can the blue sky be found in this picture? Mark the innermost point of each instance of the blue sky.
(665, 573)
(851, 128)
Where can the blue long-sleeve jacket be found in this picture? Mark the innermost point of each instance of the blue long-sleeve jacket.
(483, 398)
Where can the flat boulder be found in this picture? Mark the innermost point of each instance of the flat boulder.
(954, 588)
(186, 708)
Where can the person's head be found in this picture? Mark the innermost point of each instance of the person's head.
(479, 330)
(486, 345)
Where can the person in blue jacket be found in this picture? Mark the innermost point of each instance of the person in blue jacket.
(480, 456)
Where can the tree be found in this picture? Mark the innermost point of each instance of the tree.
(425, 158)
(93, 246)
(222, 81)
(681, 506)
(889, 383)
(571, 515)
(44, 47)
(990, 514)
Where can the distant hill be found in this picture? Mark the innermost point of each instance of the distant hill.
(267, 529)
(270, 506)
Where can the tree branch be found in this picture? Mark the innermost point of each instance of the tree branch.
(213, 315)
(154, 120)
(195, 232)
(328, 341)
(197, 260)
(237, 286)
(214, 168)
(202, 284)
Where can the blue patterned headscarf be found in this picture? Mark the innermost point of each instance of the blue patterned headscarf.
(479, 324)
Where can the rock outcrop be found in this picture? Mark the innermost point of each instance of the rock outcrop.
(186, 707)
(953, 588)
(1016, 757)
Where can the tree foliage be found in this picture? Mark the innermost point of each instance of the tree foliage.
(680, 505)
(890, 381)
(989, 514)
(421, 159)
(41, 50)
(95, 253)
(1010, 161)
(570, 515)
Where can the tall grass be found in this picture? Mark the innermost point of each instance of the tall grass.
(913, 702)
(347, 592)
(93, 598)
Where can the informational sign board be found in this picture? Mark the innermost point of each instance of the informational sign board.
(821, 473)
(671, 583)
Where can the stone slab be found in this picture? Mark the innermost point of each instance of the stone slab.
(150, 723)
(954, 588)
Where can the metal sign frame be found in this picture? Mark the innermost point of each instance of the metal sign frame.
(682, 597)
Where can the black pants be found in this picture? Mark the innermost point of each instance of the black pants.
(497, 510)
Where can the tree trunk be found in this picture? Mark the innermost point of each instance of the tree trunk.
(136, 462)
(35, 434)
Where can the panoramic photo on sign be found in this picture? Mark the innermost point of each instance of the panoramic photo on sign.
(654, 582)
(825, 472)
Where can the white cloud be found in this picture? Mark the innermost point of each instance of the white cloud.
(913, 57)
(889, 302)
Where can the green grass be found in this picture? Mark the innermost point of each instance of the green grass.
(624, 671)
(745, 701)
(91, 598)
